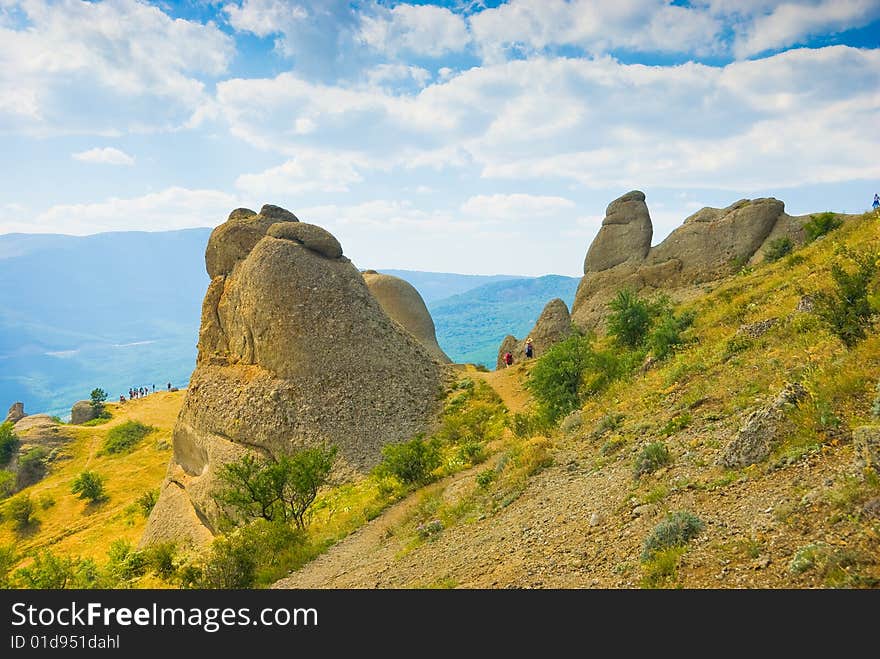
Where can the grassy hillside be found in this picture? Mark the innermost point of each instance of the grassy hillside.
(471, 326)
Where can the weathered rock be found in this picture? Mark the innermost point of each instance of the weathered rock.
(308, 235)
(294, 351)
(507, 345)
(754, 330)
(552, 326)
(403, 303)
(277, 213)
(40, 434)
(761, 430)
(81, 412)
(233, 240)
(625, 234)
(807, 304)
(866, 443)
(872, 508)
(16, 412)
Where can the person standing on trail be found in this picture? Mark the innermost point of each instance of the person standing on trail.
(530, 351)
(508, 359)
(876, 203)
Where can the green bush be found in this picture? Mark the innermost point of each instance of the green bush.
(124, 563)
(524, 425)
(630, 319)
(675, 530)
(160, 558)
(7, 484)
(125, 436)
(651, 458)
(777, 248)
(486, 477)
(607, 423)
(49, 571)
(555, 380)
(21, 511)
(8, 442)
(146, 501)
(276, 489)
(846, 310)
(410, 462)
(665, 336)
(89, 485)
(8, 559)
(32, 466)
(821, 224)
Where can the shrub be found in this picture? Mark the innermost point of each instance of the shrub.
(46, 501)
(7, 483)
(147, 501)
(160, 558)
(778, 248)
(675, 424)
(32, 466)
(572, 422)
(525, 425)
(276, 489)
(8, 560)
(8, 442)
(49, 571)
(21, 511)
(675, 530)
(630, 319)
(650, 458)
(89, 485)
(123, 437)
(410, 462)
(846, 310)
(820, 225)
(555, 380)
(485, 477)
(608, 422)
(124, 563)
(97, 398)
(665, 336)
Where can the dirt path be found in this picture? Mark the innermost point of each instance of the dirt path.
(507, 383)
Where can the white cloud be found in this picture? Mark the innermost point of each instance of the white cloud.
(106, 156)
(418, 29)
(265, 17)
(513, 207)
(790, 22)
(172, 208)
(95, 67)
(308, 171)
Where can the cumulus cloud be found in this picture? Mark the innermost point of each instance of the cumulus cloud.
(106, 156)
(308, 171)
(172, 208)
(100, 67)
(512, 207)
(417, 29)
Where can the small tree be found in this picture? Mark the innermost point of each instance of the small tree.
(821, 224)
(555, 381)
(777, 248)
(98, 397)
(89, 485)
(630, 319)
(846, 310)
(271, 489)
(8, 442)
(21, 511)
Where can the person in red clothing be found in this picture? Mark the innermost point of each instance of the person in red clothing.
(508, 358)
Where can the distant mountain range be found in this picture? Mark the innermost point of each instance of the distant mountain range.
(117, 310)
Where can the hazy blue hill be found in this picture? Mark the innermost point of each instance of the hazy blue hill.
(435, 286)
(470, 326)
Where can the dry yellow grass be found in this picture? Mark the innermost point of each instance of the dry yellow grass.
(71, 526)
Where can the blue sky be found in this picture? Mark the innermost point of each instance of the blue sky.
(472, 137)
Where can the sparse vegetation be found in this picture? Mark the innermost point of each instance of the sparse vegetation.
(21, 511)
(412, 462)
(124, 437)
(651, 458)
(8, 442)
(675, 530)
(7, 483)
(847, 310)
(89, 485)
(820, 225)
(147, 501)
(777, 248)
(32, 466)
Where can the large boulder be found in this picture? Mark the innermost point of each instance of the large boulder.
(16, 412)
(625, 234)
(233, 240)
(41, 438)
(552, 326)
(82, 411)
(403, 303)
(294, 351)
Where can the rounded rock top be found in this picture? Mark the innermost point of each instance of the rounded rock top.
(309, 236)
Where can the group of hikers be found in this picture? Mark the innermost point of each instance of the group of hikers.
(530, 351)
(139, 392)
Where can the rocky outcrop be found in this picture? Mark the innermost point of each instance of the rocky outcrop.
(403, 303)
(16, 412)
(81, 412)
(552, 326)
(708, 245)
(41, 439)
(762, 430)
(866, 445)
(293, 351)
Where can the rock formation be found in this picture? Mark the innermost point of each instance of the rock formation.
(293, 351)
(552, 326)
(708, 245)
(40, 437)
(16, 412)
(402, 302)
(81, 412)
